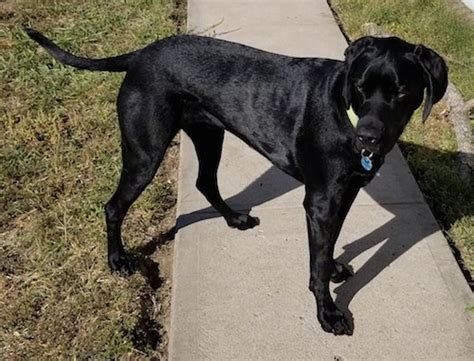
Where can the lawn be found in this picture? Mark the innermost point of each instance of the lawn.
(431, 148)
(60, 161)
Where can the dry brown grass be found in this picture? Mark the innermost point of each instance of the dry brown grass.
(60, 159)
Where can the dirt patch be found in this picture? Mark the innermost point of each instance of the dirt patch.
(156, 263)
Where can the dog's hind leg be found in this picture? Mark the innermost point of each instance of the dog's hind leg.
(147, 129)
(208, 141)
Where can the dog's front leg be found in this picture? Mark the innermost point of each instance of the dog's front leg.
(323, 221)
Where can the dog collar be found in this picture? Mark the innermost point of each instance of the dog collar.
(365, 155)
(354, 119)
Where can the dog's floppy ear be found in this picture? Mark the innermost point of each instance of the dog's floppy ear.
(435, 72)
(354, 51)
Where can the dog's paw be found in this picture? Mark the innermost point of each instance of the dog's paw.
(243, 222)
(332, 320)
(341, 273)
(122, 264)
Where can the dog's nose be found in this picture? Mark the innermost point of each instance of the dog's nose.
(368, 136)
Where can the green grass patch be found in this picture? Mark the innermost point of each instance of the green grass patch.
(60, 161)
(431, 148)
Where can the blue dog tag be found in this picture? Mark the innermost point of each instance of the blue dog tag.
(366, 163)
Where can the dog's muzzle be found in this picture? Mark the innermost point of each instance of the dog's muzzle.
(368, 137)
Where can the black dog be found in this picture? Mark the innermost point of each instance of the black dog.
(291, 110)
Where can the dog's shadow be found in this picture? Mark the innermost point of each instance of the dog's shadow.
(274, 183)
(271, 184)
(396, 239)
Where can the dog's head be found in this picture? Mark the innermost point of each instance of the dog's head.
(385, 81)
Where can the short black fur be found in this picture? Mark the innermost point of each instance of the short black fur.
(291, 110)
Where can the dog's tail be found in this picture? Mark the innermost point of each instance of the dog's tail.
(116, 63)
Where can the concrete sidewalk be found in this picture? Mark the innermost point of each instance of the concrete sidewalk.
(244, 295)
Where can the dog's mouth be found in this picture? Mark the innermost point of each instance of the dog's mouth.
(360, 147)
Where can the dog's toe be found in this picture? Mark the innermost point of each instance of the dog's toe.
(333, 321)
(252, 222)
(122, 264)
(341, 273)
(342, 327)
(243, 222)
